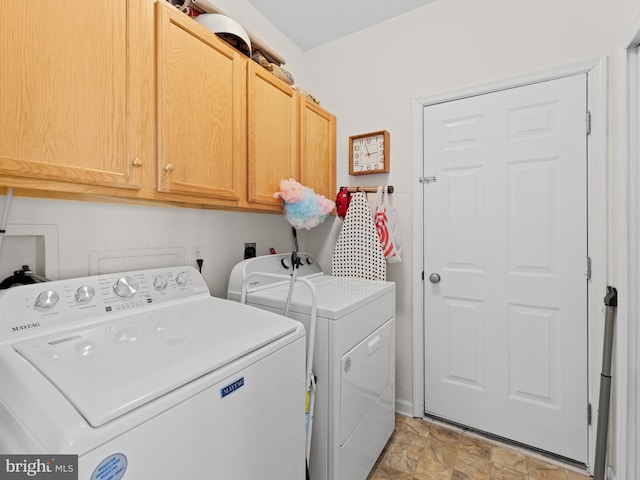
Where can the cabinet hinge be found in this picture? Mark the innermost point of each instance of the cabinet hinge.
(588, 414)
(588, 122)
(588, 274)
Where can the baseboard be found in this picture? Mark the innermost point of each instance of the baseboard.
(404, 407)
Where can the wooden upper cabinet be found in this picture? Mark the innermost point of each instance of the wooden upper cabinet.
(66, 73)
(272, 139)
(201, 119)
(132, 98)
(317, 137)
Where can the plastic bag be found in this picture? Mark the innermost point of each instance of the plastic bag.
(386, 219)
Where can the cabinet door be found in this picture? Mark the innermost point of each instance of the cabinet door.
(66, 110)
(272, 137)
(201, 110)
(317, 136)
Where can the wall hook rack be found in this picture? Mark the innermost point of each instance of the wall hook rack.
(367, 189)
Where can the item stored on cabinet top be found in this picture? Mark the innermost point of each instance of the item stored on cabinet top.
(227, 29)
(205, 6)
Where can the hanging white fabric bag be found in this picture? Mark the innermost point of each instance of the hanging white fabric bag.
(386, 219)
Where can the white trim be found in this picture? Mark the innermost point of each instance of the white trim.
(626, 266)
(596, 71)
(597, 233)
(404, 407)
(619, 274)
(519, 81)
(632, 423)
(418, 261)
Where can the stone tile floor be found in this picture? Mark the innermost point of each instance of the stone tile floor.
(426, 450)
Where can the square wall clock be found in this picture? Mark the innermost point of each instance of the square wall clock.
(369, 153)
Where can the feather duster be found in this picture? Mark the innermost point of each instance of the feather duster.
(303, 208)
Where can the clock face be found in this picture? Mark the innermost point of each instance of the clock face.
(368, 154)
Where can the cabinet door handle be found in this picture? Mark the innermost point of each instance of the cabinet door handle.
(137, 162)
(168, 168)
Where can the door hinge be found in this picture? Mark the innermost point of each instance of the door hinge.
(424, 180)
(588, 274)
(588, 122)
(588, 414)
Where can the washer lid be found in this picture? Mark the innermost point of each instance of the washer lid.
(110, 369)
(337, 296)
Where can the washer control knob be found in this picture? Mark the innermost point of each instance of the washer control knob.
(182, 278)
(286, 264)
(160, 282)
(125, 287)
(47, 300)
(84, 294)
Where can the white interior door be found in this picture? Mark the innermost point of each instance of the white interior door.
(506, 231)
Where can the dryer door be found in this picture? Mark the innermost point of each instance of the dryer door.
(367, 372)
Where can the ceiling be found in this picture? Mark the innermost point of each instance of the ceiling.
(311, 23)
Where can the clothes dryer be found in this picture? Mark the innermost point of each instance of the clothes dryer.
(354, 357)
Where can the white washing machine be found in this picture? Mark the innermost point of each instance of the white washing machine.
(144, 375)
(354, 358)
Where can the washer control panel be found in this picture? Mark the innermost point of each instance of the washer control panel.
(28, 309)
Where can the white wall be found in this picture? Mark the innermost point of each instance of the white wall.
(368, 80)
(80, 227)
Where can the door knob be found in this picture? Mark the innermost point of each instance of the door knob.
(434, 278)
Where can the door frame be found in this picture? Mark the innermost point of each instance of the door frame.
(626, 259)
(596, 72)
